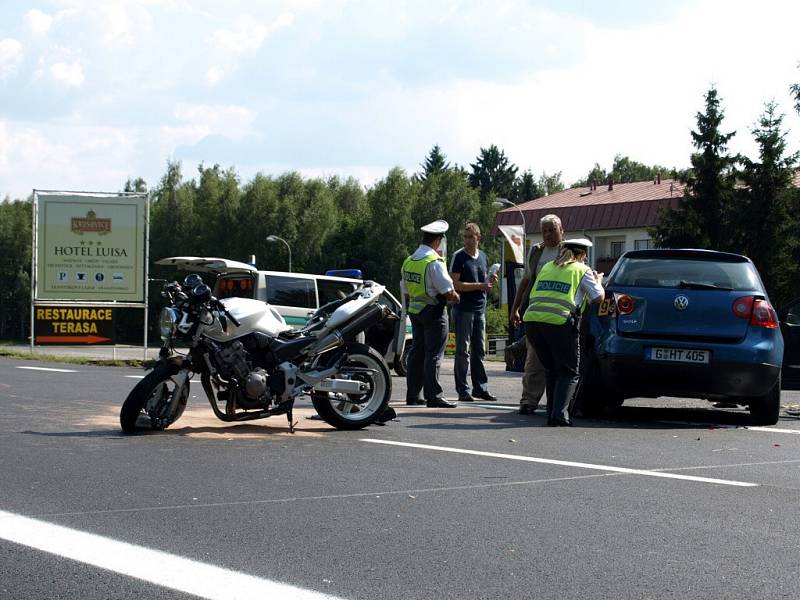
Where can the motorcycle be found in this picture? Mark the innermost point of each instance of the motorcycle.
(252, 365)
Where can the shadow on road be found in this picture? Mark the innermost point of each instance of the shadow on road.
(633, 417)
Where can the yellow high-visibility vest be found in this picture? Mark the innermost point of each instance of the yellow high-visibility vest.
(415, 276)
(552, 298)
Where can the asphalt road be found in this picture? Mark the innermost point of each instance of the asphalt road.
(661, 499)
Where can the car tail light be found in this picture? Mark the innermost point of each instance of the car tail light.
(764, 315)
(625, 304)
(757, 310)
(743, 307)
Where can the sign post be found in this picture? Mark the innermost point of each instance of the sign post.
(89, 255)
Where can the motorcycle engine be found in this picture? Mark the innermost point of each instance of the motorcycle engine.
(256, 383)
(232, 364)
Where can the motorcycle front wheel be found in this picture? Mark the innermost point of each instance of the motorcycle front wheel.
(151, 398)
(356, 411)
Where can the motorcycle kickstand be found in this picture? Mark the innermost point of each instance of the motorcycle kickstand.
(289, 417)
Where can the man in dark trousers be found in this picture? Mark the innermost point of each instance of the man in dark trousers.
(427, 288)
(470, 273)
(533, 378)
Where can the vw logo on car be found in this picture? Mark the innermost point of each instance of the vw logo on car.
(680, 302)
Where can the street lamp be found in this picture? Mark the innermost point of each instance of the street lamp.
(275, 238)
(505, 202)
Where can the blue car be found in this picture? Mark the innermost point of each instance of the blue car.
(685, 323)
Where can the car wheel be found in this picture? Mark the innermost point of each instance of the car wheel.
(765, 409)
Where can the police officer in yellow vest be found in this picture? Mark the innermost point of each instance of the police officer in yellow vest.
(552, 320)
(427, 287)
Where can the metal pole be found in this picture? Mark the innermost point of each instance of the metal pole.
(275, 238)
(146, 271)
(34, 263)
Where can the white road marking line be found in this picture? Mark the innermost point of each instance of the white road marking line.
(370, 494)
(773, 430)
(566, 463)
(167, 570)
(47, 369)
(720, 426)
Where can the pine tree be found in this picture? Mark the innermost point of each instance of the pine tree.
(493, 173)
(702, 220)
(767, 207)
(526, 187)
(435, 163)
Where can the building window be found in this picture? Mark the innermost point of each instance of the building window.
(617, 248)
(642, 244)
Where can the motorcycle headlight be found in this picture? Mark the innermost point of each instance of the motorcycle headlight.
(168, 323)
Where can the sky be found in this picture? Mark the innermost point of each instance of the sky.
(93, 92)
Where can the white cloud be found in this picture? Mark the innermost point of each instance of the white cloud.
(37, 21)
(68, 73)
(248, 33)
(233, 122)
(214, 75)
(10, 57)
(123, 23)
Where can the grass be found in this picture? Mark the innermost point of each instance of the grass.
(74, 360)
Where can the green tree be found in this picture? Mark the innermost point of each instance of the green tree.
(526, 187)
(135, 185)
(550, 183)
(702, 219)
(15, 268)
(436, 162)
(766, 214)
(625, 170)
(493, 173)
(390, 233)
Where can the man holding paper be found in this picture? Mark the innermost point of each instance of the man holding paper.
(473, 278)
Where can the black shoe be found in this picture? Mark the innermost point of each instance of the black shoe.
(485, 396)
(526, 409)
(466, 398)
(415, 402)
(561, 423)
(440, 403)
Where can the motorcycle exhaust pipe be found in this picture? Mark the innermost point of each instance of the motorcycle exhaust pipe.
(374, 314)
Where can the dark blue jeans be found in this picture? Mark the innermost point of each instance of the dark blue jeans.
(429, 331)
(470, 330)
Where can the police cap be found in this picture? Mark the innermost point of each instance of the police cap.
(578, 243)
(439, 227)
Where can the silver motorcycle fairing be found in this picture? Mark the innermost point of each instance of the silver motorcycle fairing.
(253, 315)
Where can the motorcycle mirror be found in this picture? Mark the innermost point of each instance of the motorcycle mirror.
(192, 281)
(201, 293)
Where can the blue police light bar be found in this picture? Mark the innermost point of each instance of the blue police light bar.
(353, 273)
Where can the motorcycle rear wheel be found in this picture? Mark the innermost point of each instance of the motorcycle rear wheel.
(356, 411)
(149, 398)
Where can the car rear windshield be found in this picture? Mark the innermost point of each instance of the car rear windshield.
(672, 272)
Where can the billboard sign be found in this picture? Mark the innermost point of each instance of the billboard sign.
(69, 325)
(90, 247)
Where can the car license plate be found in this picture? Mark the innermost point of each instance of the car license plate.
(683, 355)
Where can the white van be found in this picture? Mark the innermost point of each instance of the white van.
(296, 295)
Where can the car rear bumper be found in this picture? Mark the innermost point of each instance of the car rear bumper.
(634, 376)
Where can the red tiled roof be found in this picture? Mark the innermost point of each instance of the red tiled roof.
(627, 205)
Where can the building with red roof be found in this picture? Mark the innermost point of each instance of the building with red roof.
(614, 216)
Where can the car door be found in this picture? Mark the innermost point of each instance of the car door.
(790, 328)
